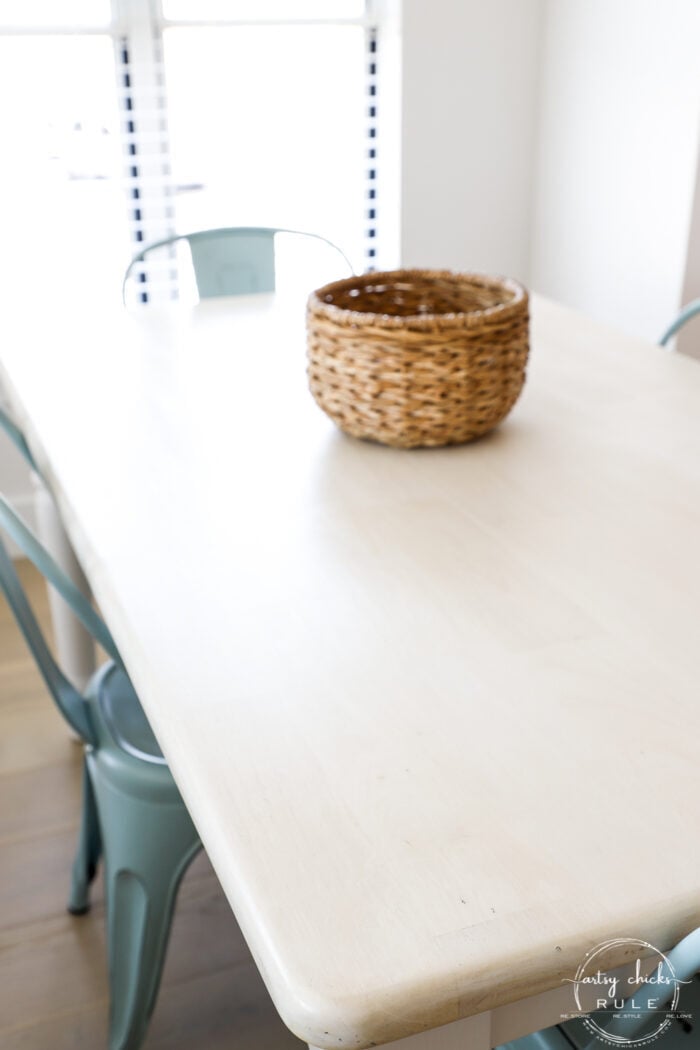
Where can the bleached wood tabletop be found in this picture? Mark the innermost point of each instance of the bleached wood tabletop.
(435, 712)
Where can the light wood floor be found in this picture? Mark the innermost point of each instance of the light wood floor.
(53, 987)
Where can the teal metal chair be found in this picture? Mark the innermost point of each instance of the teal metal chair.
(133, 816)
(688, 312)
(234, 260)
(76, 647)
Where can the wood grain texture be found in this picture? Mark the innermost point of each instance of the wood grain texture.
(53, 981)
(434, 713)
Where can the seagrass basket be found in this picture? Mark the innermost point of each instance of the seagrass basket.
(415, 358)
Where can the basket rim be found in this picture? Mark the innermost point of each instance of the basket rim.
(466, 318)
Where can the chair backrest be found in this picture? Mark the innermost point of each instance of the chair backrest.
(684, 316)
(234, 260)
(70, 702)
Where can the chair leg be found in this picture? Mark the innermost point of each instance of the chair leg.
(88, 852)
(148, 846)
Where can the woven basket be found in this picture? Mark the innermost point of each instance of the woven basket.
(417, 357)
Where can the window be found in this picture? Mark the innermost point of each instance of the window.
(61, 203)
(195, 113)
(260, 138)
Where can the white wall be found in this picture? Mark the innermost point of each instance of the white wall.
(15, 476)
(469, 115)
(619, 119)
(689, 338)
(15, 482)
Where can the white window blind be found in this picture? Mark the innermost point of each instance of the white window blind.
(145, 142)
(372, 151)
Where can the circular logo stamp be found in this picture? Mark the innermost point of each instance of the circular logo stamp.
(622, 1008)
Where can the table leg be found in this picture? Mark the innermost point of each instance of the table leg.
(74, 646)
(493, 1027)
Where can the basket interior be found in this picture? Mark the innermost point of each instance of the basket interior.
(405, 294)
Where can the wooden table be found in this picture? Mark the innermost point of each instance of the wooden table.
(434, 713)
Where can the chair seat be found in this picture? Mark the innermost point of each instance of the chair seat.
(124, 717)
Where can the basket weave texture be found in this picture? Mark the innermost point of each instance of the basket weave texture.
(416, 358)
